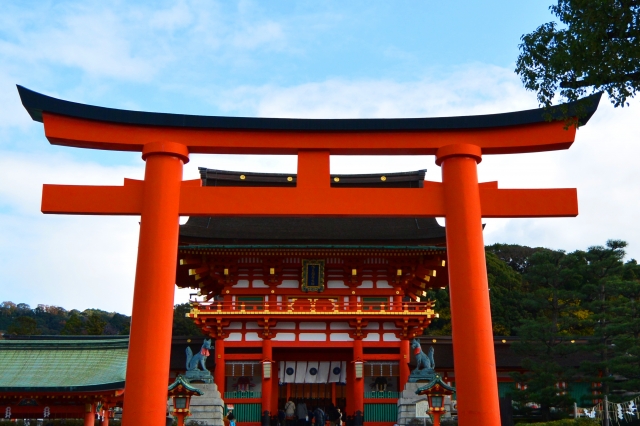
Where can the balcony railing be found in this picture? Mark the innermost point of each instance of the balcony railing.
(313, 306)
(382, 395)
(242, 395)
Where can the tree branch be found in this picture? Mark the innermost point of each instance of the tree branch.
(631, 77)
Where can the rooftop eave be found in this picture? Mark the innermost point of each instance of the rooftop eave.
(36, 103)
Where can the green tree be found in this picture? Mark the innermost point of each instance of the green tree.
(95, 324)
(595, 49)
(183, 326)
(74, 326)
(506, 295)
(440, 326)
(24, 326)
(545, 338)
(612, 294)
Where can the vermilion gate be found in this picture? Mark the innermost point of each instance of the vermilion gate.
(166, 140)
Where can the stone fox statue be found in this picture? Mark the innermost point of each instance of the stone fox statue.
(199, 358)
(423, 361)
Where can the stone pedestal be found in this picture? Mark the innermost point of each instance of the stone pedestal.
(407, 407)
(207, 409)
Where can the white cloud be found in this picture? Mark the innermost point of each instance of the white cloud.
(601, 164)
(89, 261)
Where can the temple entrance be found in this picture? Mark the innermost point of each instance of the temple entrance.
(314, 395)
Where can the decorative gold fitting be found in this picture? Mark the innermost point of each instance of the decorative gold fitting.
(383, 178)
(226, 271)
(444, 262)
(354, 272)
(336, 179)
(399, 272)
(289, 179)
(272, 271)
(242, 177)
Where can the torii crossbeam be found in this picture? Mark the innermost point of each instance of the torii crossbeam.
(166, 140)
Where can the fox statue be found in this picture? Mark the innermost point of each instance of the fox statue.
(425, 364)
(200, 358)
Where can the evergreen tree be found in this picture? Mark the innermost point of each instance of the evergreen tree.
(545, 337)
(612, 293)
(23, 326)
(183, 326)
(95, 324)
(74, 326)
(506, 295)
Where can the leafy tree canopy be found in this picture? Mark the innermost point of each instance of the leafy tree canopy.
(597, 48)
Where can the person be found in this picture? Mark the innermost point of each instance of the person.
(290, 413)
(281, 418)
(318, 416)
(338, 417)
(302, 414)
(332, 414)
(232, 419)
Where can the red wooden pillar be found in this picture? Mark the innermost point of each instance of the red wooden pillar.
(219, 369)
(474, 357)
(358, 388)
(150, 342)
(89, 415)
(105, 417)
(267, 355)
(275, 388)
(405, 357)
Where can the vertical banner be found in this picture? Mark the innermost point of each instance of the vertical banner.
(281, 373)
(312, 372)
(301, 371)
(323, 372)
(289, 372)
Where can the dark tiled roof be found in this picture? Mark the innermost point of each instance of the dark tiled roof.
(213, 177)
(309, 230)
(36, 103)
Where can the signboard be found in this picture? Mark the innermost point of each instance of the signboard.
(313, 275)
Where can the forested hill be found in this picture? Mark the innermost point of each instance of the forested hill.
(21, 319)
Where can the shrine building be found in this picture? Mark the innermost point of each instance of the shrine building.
(61, 377)
(312, 308)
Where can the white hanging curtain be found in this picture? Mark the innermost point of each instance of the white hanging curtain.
(301, 371)
(281, 372)
(343, 372)
(289, 372)
(334, 371)
(323, 372)
(312, 372)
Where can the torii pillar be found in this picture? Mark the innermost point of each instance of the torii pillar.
(165, 141)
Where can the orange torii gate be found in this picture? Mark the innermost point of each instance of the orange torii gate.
(166, 140)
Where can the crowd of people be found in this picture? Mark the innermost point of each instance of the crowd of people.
(300, 415)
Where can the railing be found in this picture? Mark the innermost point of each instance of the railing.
(382, 395)
(317, 306)
(380, 412)
(246, 412)
(242, 394)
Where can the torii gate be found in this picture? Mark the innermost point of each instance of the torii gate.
(166, 140)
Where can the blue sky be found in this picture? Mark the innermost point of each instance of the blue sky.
(314, 59)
